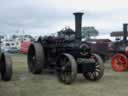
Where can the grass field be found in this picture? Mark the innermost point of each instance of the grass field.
(26, 84)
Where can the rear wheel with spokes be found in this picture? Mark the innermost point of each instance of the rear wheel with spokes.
(99, 71)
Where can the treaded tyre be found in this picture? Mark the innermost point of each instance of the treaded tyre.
(67, 68)
(99, 72)
(36, 58)
(6, 67)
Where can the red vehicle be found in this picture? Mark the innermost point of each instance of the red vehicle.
(101, 47)
(24, 46)
(119, 48)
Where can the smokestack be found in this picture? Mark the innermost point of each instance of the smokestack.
(125, 31)
(78, 23)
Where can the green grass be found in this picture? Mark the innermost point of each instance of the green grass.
(26, 84)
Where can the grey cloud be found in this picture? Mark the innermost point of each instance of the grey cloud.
(28, 15)
(20, 14)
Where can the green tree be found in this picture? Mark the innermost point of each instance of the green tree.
(88, 32)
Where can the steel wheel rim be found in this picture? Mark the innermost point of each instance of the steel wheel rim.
(119, 62)
(31, 58)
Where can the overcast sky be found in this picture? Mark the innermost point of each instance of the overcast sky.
(48, 16)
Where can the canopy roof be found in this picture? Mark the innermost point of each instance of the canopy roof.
(117, 34)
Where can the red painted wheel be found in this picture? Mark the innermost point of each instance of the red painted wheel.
(119, 62)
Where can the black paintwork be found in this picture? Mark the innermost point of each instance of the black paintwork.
(68, 41)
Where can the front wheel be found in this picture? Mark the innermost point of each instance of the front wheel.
(67, 68)
(99, 71)
(6, 67)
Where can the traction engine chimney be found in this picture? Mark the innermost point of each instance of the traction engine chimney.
(125, 32)
(78, 23)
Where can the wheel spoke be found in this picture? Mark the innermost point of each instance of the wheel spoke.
(92, 75)
(97, 66)
(98, 70)
(67, 76)
(97, 73)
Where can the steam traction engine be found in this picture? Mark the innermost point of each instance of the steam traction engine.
(119, 50)
(66, 54)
